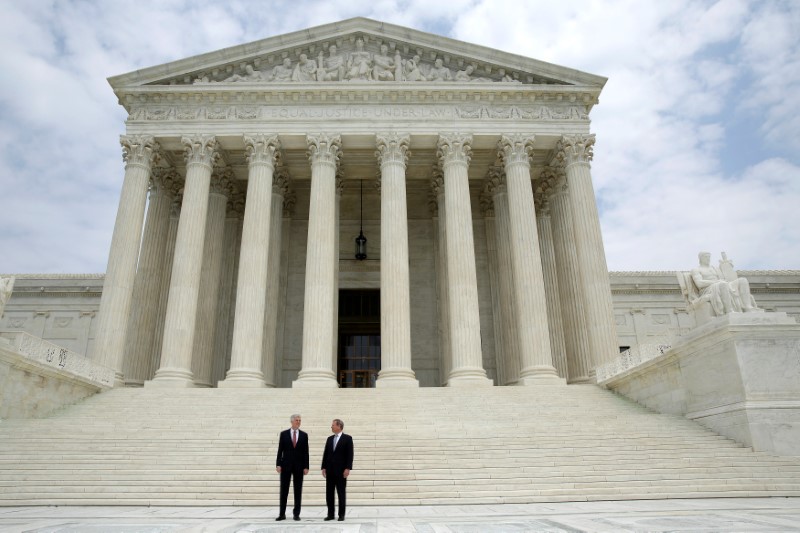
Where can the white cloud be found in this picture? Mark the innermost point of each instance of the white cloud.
(677, 72)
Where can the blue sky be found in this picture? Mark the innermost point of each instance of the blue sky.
(698, 127)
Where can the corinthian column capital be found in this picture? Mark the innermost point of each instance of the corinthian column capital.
(222, 181)
(515, 149)
(324, 148)
(165, 180)
(140, 150)
(575, 149)
(437, 181)
(201, 150)
(262, 149)
(280, 181)
(454, 148)
(495, 181)
(393, 148)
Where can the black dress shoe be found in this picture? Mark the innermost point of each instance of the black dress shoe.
(328, 518)
(296, 518)
(341, 519)
(280, 518)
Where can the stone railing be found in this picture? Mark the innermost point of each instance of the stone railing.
(629, 359)
(55, 356)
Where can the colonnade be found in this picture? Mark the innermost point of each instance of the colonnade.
(554, 316)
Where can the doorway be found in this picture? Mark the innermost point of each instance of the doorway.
(359, 347)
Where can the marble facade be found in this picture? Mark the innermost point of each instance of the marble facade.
(240, 203)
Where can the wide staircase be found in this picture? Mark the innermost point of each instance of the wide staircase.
(420, 446)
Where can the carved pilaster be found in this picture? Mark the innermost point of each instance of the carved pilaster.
(222, 180)
(280, 181)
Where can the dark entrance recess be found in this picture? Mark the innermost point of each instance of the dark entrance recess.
(359, 359)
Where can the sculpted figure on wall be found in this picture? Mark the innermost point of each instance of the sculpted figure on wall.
(6, 288)
(383, 67)
(715, 291)
(359, 63)
(283, 72)
(356, 64)
(332, 68)
(250, 74)
(439, 72)
(306, 69)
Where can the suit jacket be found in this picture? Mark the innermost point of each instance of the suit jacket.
(290, 457)
(335, 462)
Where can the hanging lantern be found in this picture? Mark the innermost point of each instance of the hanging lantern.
(361, 241)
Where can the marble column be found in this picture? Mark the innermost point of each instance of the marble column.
(496, 187)
(166, 277)
(211, 277)
(280, 188)
(395, 286)
(576, 341)
(530, 303)
(139, 153)
(575, 152)
(251, 291)
(440, 243)
(318, 327)
(336, 254)
(223, 334)
(556, 329)
(454, 152)
(202, 152)
(137, 366)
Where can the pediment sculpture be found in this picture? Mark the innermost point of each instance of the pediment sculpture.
(358, 65)
(712, 291)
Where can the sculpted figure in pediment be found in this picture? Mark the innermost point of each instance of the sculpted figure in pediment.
(383, 65)
(411, 71)
(282, 72)
(250, 74)
(332, 68)
(305, 70)
(359, 64)
(439, 72)
(466, 75)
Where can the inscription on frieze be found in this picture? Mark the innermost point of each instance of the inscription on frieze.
(541, 113)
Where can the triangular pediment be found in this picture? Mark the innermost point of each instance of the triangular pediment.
(357, 50)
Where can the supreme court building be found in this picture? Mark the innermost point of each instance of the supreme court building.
(250, 172)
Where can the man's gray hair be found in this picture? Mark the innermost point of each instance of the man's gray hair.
(293, 417)
(339, 423)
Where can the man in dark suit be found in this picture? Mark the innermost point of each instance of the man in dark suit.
(292, 462)
(337, 461)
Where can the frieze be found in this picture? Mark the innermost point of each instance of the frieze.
(538, 113)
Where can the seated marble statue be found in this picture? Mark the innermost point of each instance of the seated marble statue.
(250, 74)
(332, 68)
(359, 64)
(306, 69)
(6, 288)
(439, 72)
(717, 288)
(282, 72)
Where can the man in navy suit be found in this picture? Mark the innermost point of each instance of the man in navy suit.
(292, 462)
(337, 461)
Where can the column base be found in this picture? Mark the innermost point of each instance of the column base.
(400, 378)
(538, 372)
(584, 380)
(171, 378)
(469, 377)
(539, 381)
(242, 378)
(318, 378)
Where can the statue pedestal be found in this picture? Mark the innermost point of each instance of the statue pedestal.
(739, 375)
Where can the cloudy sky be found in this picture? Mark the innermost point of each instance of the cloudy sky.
(698, 127)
